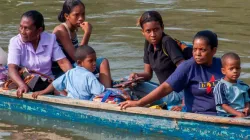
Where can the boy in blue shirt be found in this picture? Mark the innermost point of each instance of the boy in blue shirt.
(79, 82)
(231, 96)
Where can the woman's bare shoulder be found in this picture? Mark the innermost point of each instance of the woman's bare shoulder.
(62, 35)
(60, 29)
(61, 32)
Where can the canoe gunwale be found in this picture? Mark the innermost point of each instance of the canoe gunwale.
(133, 110)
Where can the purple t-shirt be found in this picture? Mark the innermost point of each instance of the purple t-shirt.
(23, 53)
(198, 82)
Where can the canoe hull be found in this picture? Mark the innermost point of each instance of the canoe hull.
(137, 123)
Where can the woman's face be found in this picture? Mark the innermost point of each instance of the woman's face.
(152, 31)
(28, 30)
(76, 16)
(202, 52)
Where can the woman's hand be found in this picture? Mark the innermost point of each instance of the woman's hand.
(176, 108)
(86, 27)
(133, 76)
(15, 77)
(127, 104)
(22, 89)
(36, 94)
(163, 90)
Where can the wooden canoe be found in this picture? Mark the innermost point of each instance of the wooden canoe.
(136, 119)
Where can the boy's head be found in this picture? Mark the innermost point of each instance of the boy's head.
(231, 66)
(86, 57)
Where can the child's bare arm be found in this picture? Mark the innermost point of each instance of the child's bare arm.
(230, 110)
(49, 89)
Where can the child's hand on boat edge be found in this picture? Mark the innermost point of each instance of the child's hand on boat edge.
(36, 94)
(128, 103)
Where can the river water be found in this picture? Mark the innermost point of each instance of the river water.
(116, 37)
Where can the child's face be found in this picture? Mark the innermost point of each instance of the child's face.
(89, 62)
(152, 31)
(76, 16)
(231, 70)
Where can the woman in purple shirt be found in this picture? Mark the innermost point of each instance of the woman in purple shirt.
(34, 49)
(196, 76)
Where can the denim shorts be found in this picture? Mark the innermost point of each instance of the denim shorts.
(98, 64)
(171, 99)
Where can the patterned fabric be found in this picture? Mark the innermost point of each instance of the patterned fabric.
(114, 95)
(3, 74)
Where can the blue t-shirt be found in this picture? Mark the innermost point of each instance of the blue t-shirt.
(79, 83)
(233, 94)
(198, 82)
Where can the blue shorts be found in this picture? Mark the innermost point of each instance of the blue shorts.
(58, 72)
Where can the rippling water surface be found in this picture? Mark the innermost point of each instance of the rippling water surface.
(116, 37)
